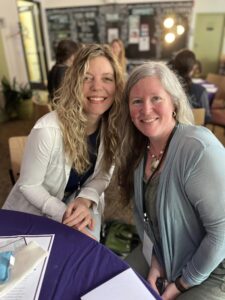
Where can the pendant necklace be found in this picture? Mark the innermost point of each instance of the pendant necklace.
(155, 160)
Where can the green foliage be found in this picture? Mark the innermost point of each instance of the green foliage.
(14, 93)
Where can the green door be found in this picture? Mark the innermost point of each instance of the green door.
(208, 37)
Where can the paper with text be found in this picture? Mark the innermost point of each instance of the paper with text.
(29, 288)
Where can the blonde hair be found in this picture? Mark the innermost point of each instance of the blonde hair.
(132, 142)
(69, 107)
(121, 58)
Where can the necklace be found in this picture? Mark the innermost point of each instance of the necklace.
(155, 160)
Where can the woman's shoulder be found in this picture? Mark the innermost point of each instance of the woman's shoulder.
(196, 135)
(50, 120)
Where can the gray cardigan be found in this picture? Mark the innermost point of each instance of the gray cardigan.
(190, 204)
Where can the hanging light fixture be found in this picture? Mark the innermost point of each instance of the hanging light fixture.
(169, 37)
(168, 22)
(180, 29)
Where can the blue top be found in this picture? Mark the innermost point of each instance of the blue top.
(198, 97)
(190, 205)
(76, 180)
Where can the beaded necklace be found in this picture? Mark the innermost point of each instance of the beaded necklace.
(155, 160)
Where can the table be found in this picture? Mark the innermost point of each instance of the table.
(211, 88)
(77, 263)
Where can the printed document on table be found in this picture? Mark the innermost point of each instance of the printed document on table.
(29, 288)
(126, 285)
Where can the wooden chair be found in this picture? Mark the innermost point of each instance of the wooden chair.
(199, 115)
(16, 149)
(218, 119)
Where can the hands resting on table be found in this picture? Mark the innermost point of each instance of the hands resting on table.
(78, 215)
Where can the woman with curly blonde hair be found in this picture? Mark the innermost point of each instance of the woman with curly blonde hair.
(69, 154)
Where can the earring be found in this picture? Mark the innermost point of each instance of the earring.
(174, 114)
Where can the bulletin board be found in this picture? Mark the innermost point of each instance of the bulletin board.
(79, 24)
(139, 26)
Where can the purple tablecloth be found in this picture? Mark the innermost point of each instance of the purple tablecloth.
(77, 264)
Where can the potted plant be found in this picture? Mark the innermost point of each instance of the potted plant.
(11, 97)
(25, 108)
(18, 101)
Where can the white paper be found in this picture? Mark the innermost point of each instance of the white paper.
(29, 288)
(144, 43)
(134, 31)
(126, 285)
(113, 33)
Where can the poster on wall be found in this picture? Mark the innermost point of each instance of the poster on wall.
(144, 43)
(113, 33)
(134, 32)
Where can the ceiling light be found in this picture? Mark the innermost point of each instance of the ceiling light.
(169, 37)
(180, 29)
(168, 22)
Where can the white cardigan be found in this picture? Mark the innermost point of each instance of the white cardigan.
(45, 171)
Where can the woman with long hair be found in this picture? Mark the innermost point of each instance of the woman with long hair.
(69, 154)
(174, 173)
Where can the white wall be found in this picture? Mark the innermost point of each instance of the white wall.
(12, 40)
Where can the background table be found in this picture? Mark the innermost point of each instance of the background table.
(77, 263)
(210, 88)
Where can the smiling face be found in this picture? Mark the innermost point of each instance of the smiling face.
(98, 87)
(151, 109)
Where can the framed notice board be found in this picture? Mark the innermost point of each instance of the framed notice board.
(139, 26)
(78, 23)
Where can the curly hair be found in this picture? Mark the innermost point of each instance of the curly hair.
(132, 142)
(68, 103)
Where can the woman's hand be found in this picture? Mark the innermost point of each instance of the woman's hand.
(171, 292)
(87, 233)
(78, 215)
(155, 272)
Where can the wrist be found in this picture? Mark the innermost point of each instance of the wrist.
(86, 202)
(180, 285)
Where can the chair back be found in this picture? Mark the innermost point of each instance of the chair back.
(16, 149)
(219, 81)
(199, 115)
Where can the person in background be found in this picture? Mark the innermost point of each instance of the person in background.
(184, 64)
(118, 49)
(65, 53)
(197, 72)
(174, 173)
(69, 155)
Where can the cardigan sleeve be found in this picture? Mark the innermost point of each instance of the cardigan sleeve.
(205, 188)
(94, 187)
(36, 160)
